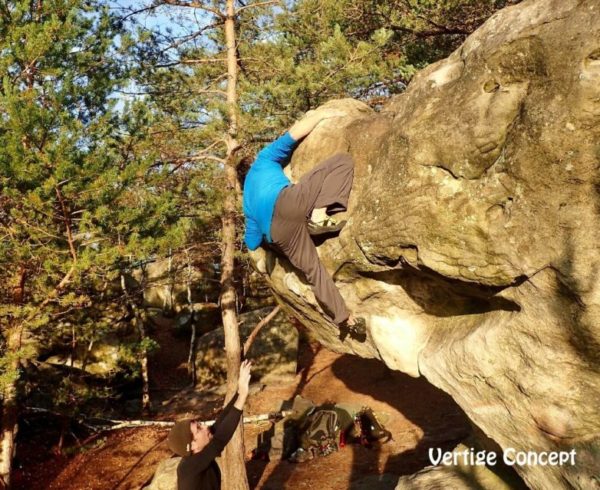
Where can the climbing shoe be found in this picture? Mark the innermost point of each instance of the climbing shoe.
(328, 225)
(357, 331)
(371, 429)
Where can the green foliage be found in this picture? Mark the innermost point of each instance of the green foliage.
(8, 374)
(69, 394)
(130, 356)
(80, 196)
(112, 138)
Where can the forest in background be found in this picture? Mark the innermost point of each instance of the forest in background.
(120, 139)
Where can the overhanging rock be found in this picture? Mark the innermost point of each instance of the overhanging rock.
(472, 238)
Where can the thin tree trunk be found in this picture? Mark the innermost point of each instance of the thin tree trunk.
(10, 412)
(192, 353)
(234, 468)
(10, 407)
(146, 404)
(139, 323)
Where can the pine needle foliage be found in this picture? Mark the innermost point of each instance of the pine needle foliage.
(81, 198)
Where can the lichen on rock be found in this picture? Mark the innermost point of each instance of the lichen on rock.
(473, 228)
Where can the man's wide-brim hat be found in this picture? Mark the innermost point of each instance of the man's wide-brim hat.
(180, 438)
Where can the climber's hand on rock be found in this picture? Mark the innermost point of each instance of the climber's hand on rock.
(311, 119)
(330, 113)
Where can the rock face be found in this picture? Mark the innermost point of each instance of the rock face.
(462, 475)
(166, 284)
(274, 352)
(106, 355)
(473, 229)
(165, 477)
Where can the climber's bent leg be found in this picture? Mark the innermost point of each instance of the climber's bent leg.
(327, 185)
(291, 237)
(337, 184)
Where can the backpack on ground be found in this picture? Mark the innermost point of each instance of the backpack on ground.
(320, 434)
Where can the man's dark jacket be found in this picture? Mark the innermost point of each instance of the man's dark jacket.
(200, 471)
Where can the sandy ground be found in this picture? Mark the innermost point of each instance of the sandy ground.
(419, 417)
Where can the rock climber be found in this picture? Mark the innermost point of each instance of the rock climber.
(285, 215)
(199, 445)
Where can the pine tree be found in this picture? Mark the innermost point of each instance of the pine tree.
(80, 199)
(201, 86)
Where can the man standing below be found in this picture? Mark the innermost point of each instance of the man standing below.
(285, 215)
(199, 445)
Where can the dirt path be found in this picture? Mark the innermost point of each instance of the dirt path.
(420, 416)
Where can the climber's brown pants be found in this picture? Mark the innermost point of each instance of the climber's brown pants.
(328, 186)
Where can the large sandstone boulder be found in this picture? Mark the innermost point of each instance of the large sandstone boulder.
(274, 352)
(166, 283)
(473, 228)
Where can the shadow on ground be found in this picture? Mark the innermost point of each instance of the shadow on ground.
(419, 415)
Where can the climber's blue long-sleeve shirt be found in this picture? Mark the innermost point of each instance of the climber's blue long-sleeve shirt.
(264, 182)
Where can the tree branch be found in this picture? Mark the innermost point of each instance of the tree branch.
(41, 230)
(198, 5)
(166, 92)
(126, 424)
(131, 12)
(203, 155)
(259, 4)
(259, 325)
(190, 37)
(191, 62)
(65, 280)
(445, 29)
(198, 158)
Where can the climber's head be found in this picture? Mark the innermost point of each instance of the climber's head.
(181, 437)
(242, 168)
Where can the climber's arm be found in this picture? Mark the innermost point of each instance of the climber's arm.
(253, 236)
(312, 118)
(281, 149)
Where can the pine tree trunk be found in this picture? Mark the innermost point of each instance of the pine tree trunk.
(10, 408)
(192, 353)
(234, 468)
(141, 327)
(9, 413)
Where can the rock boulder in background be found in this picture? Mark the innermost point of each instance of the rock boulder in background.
(165, 477)
(274, 353)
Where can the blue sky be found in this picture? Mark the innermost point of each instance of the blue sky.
(179, 20)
